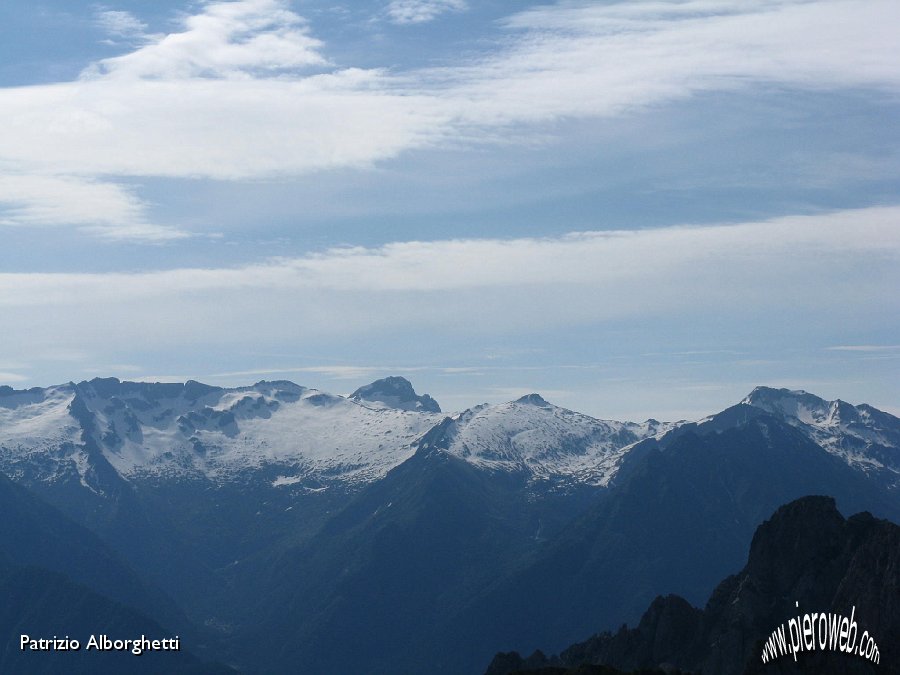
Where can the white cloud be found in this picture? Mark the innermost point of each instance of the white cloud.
(805, 267)
(791, 282)
(232, 95)
(104, 208)
(6, 378)
(227, 39)
(580, 59)
(120, 24)
(114, 121)
(405, 12)
(865, 348)
(226, 129)
(336, 372)
(349, 372)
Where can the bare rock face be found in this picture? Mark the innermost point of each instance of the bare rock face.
(396, 392)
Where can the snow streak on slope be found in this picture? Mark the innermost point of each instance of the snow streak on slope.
(35, 427)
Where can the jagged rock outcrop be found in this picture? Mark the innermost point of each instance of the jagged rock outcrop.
(806, 558)
(396, 392)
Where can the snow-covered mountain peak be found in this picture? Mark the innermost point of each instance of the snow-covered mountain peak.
(541, 440)
(797, 403)
(395, 392)
(865, 437)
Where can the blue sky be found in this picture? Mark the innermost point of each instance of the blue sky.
(638, 209)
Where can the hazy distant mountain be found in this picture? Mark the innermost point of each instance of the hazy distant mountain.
(33, 533)
(806, 554)
(59, 579)
(351, 535)
(44, 604)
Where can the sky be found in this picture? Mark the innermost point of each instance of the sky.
(638, 209)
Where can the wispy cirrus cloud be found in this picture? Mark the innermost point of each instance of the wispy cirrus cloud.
(120, 24)
(244, 90)
(102, 208)
(790, 282)
(406, 12)
(589, 59)
(333, 371)
(864, 348)
(498, 285)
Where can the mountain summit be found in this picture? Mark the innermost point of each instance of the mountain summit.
(533, 399)
(864, 437)
(396, 392)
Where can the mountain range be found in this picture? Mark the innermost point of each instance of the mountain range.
(374, 533)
